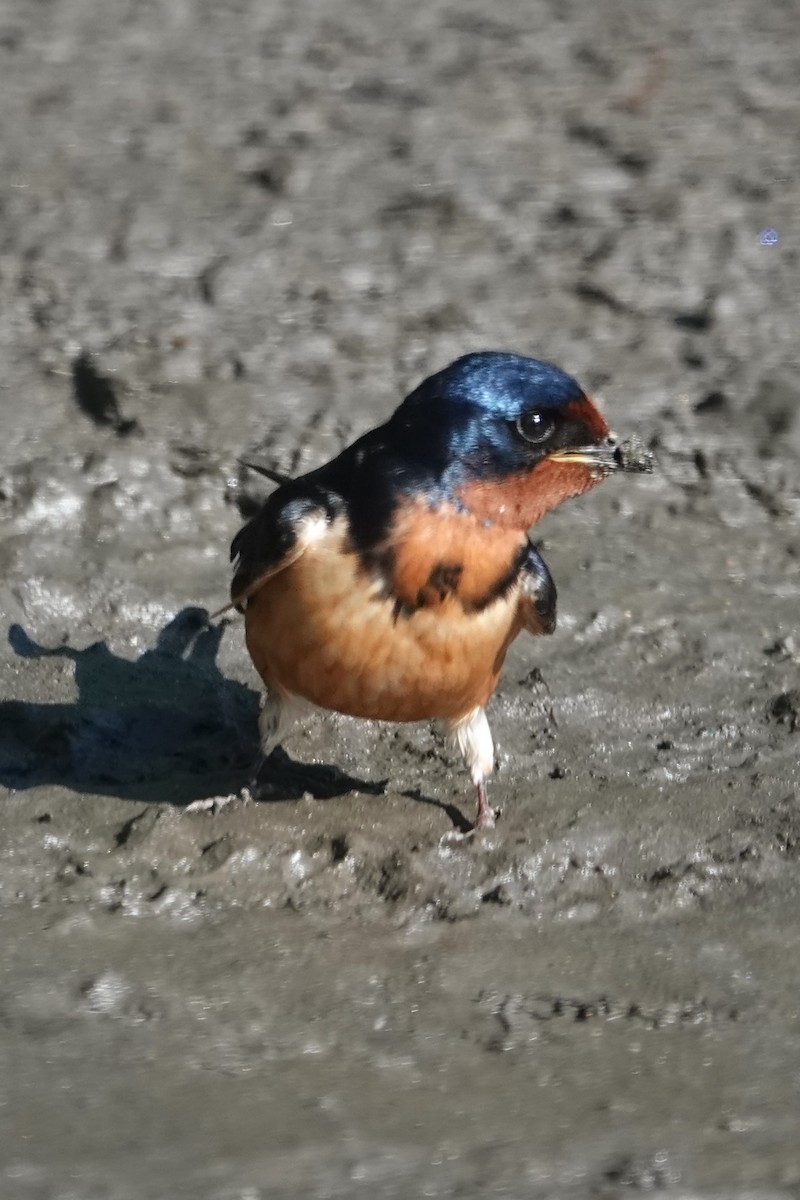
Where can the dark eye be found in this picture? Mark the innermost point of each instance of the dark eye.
(535, 427)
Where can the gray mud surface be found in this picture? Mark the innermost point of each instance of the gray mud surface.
(251, 228)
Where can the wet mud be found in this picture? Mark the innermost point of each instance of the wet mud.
(248, 230)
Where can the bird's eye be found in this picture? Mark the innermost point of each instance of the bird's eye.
(535, 427)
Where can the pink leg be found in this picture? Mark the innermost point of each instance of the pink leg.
(486, 816)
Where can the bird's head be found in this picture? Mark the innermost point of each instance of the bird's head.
(510, 437)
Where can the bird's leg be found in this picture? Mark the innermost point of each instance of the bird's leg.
(473, 737)
(486, 816)
(274, 721)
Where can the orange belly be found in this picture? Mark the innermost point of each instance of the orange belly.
(321, 629)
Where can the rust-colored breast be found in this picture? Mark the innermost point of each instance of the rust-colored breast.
(443, 552)
(326, 630)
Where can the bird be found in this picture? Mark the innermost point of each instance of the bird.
(390, 582)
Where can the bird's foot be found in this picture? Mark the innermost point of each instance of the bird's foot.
(214, 804)
(486, 819)
(279, 777)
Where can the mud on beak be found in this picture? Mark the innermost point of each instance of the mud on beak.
(609, 455)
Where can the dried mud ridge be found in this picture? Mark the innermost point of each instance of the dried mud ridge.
(520, 1018)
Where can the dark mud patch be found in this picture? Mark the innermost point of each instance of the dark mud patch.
(96, 397)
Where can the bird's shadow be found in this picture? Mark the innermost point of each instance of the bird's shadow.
(167, 727)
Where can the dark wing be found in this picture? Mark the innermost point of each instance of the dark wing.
(537, 598)
(362, 483)
(289, 520)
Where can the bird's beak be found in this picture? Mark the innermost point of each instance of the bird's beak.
(609, 455)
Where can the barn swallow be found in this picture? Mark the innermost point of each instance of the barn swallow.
(390, 582)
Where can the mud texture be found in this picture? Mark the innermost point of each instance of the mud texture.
(250, 228)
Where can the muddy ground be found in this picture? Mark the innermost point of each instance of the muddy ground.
(252, 227)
